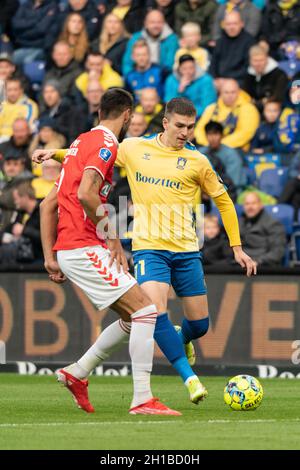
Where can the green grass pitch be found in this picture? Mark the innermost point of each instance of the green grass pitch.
(37, 413)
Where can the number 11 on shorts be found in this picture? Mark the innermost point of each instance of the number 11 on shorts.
(140, 264)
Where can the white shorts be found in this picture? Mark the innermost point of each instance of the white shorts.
(88, 269)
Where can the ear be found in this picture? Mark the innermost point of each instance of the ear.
(165, 123)
(127, 115)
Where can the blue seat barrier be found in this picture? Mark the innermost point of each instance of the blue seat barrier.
(272, 181)
(284, 213)
(252, 159)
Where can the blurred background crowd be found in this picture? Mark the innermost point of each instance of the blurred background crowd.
(236, 60)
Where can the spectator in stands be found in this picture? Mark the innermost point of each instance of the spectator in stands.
(199, 11)
(58, 108)
(91, 15)
(18, 144)
(162, 42)
(230, 56)
(112, 41)
(16, 105)
(25, 246)
(239, 118)
(48, 137)
(263, 237)
(64, 69)
(9, 70)
(75, 34)
(8, 9)
(97, 68)
(250, 15)
(279, 131)
(89, 109)
(264, 79)
(33, 30)
(138, 125)
(131, 12)
(281, 23)
(14, 173)
(152, 109)
(191, 82)
(166, 7)
(43, 184)
(144, 74)
(215, 249)
(190, 40)
(229, 157)
(291, 191)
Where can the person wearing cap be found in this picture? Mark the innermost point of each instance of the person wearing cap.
(189, 81)
(48, 137)
(8, 69)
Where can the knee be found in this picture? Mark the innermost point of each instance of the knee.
(195, 328)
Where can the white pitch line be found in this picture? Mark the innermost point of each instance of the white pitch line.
(143, 423)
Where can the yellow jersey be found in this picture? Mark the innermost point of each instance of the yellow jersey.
(164, 182)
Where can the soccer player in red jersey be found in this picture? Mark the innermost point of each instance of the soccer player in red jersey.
(74, 248)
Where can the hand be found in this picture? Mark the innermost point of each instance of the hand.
(117, 253)
(244, 260)
(212, 43)
(55, 274)
(184, 82)
(17, 229)
(41, 155)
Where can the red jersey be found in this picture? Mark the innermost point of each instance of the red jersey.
(97, 150)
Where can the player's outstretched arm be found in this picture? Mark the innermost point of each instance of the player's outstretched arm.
(41, 155)
(88, 195)
(231, 225)
(48, 221)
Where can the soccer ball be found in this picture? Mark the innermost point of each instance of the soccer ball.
(243, 392)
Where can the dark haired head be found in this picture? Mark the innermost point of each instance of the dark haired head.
(114, 102)
(181, 106)
(213, 127)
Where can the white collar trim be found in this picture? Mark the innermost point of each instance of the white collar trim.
(105, 129)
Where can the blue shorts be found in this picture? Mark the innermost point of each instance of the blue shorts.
(181, 270)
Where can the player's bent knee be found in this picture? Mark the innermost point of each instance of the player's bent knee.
(195, 328)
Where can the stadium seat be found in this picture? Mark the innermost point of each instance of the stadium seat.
(252, 159)
(272, 181)
(35, 72)
(284, 213)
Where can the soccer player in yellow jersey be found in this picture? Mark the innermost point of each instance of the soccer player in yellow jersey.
(165, 172)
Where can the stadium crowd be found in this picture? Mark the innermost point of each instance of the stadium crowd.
(236, 60)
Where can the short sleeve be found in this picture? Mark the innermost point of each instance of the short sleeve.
(210, 182)
(121, 155)
(101, 156)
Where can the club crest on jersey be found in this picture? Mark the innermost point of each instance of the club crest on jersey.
(105, 154)
(181, 162)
